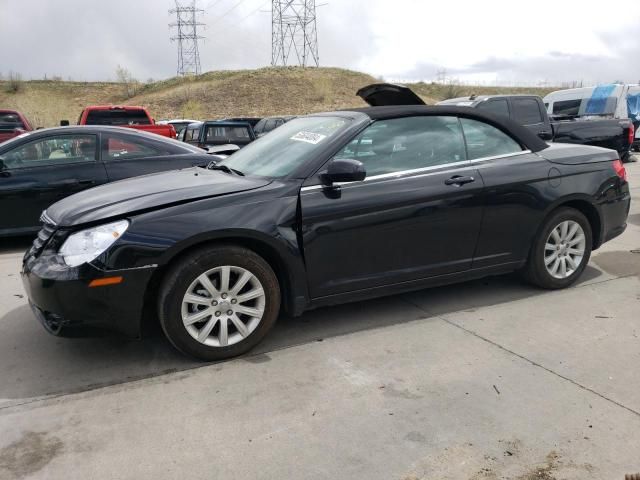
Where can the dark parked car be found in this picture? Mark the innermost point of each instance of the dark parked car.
(219, 135)
(328, 208)
(267, 124)
(44, 166)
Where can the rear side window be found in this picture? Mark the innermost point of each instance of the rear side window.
(497, 107)
(120, 147)
(117, 117)
(192, 134)
(526, 111)
(410, 143)
(484, 140)
(567, 107)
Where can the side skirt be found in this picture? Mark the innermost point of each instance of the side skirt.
(403, 287)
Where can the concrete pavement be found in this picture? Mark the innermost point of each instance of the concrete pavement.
(484, 380)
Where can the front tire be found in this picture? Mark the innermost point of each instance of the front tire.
(219, 302)
(561, 250)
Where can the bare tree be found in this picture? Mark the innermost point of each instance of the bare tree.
(14, 83)
(129, 83)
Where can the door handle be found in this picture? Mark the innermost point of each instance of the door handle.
(86, 182)
(459, 180)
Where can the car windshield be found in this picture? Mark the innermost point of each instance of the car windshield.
(287, 147)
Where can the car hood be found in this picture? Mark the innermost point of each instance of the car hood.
(147, 192)
(383, 94)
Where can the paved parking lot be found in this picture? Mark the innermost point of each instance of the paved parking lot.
(484, 380)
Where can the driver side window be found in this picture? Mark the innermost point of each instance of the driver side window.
(52, 151)
(401, 144)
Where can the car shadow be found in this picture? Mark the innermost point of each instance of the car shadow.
(35, 364)
(13, 245)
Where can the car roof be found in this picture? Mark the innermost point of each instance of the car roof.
(114, 107)
(523, 135)
(232, 123)
(131, 132)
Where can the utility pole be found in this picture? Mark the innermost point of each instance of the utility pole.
(186, 26)
(294, 38)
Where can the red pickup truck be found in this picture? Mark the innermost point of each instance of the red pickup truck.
(12, 124)
(123, 116)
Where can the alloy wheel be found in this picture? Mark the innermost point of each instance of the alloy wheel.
(223, 306)
(564, 249)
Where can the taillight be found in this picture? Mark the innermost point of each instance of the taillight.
(632, 134)
(618, 166)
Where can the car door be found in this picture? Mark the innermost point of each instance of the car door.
(416, 215)
(514, 179)
(528, 112)
(42, 171)
(127, 156)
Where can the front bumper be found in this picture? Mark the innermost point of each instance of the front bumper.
(60, 296)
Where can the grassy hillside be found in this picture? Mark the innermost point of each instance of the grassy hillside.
(267, 91)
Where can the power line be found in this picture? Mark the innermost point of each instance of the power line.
(212, 4)
(187, 36)
(228, 11)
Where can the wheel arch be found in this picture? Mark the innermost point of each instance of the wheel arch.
(292, 284)
(585, 206)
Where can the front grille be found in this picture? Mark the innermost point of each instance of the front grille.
(44, 235)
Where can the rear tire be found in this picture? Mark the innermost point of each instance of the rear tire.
(218, 302)
(561, 250)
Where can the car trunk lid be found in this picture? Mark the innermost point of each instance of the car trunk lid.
(384, 94)
(570, 154)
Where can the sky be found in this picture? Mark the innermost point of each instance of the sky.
(470, 41)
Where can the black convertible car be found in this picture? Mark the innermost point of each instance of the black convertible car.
(43, 166)
(327, 208)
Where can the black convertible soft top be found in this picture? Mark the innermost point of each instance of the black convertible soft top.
(522, 135)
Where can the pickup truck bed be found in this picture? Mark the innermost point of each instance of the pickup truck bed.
(607, 133)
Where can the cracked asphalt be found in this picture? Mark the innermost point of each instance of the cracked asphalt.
(483, 380)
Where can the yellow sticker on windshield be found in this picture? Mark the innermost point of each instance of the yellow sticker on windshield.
(309, 137)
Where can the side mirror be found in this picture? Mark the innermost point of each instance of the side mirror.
(64, 123)
(545, 135)
(344, 170)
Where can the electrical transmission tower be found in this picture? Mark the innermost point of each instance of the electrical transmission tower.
(187, 36)
(293, 33)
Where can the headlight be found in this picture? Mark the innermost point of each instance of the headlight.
(82, 247)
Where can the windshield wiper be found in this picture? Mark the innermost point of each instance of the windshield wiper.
(225, 169)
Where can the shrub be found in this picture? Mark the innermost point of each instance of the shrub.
(14, 83)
